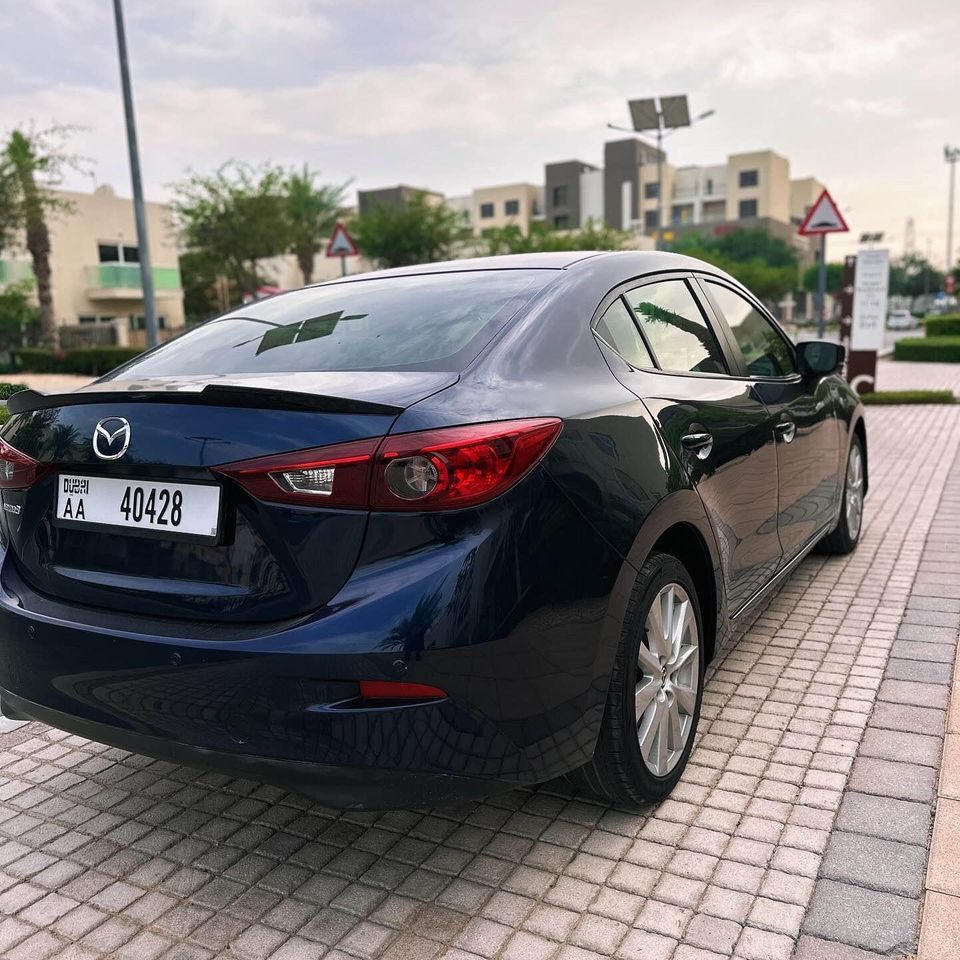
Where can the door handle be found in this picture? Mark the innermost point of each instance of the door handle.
(699, 444)
(786, 430)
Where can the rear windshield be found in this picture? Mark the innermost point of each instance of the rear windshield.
(440, 319)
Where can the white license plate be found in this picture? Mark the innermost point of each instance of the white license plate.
(173, 510)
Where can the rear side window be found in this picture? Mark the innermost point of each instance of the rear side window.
(438, 321)
(618, 329)
(675, 329)
(765, 351)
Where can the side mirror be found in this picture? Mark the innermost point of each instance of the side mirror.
(819, 358)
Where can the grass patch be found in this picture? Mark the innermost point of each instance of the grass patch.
(884, 397)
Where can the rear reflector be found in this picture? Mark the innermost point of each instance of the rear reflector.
(445, 469)
(17, 470)
(398, 690)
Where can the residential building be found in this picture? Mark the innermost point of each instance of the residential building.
(571, 193)
(513, 204)
(95, 265)
(751, 189)
(397, 196)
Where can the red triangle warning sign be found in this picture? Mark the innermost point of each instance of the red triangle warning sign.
(341, 243)
(823, 217)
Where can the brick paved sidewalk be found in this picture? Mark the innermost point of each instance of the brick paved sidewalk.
(107, 853)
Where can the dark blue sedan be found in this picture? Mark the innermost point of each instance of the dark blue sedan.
(423, 533)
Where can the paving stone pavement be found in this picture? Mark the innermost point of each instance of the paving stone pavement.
(104, 853)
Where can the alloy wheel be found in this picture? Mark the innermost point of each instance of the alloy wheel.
(854, 492)
(668, 675)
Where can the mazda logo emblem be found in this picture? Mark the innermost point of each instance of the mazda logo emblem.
(111, 437)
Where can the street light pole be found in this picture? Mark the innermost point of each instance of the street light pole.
(665, 117)
(657, 235)
(139, 211)
(951, 155)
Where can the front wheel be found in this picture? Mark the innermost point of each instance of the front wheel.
(655, 691)
(846, 535)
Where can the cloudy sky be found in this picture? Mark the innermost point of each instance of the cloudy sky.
(452, 95)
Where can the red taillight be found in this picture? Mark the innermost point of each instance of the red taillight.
(17, 470)
(334, 476)
(392, 690)
(442, 469)
(457, 466)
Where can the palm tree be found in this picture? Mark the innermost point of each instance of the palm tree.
(312, 210)
(32, 164)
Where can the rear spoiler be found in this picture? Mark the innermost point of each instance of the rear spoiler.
(214, 394)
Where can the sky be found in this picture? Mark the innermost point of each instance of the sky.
(453, 95)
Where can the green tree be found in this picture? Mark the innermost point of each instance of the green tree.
(540, 238)
(312, 211)
(32, 164)
(763, 263)
(912, 275)
(834, 278)
(234, 218)
(17, 314)
(416, 232)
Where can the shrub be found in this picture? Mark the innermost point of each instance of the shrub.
(945, 326)
(884, 397)
(928, 349)
(7, 390)
(90, 362)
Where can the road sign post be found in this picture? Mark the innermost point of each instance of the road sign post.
(822, 218)
(341, 245)
(868, 318)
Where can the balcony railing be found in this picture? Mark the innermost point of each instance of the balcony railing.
(126, 276)
(15, 271)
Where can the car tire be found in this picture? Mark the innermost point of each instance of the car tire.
(846, 535)
(640, 760)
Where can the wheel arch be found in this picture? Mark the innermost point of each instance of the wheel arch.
(678, 525)
(860, 430)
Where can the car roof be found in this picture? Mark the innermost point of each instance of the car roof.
(633, 262)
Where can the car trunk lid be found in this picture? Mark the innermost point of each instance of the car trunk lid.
(266, 561)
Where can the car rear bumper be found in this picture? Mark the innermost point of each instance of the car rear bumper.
(359, 788)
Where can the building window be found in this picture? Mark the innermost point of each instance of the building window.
(709, 185)
(486, 211)
(140, 322)
(748, 209)
(650, 221)
(560, 198)
(749, 178)
(511, 208)
(651, 190)
(117, 253)
(561, 221)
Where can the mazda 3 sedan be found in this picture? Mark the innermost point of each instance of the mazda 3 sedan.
(423, 533)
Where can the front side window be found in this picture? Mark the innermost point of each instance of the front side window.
(511, 208)
(748, 209)
(749, 178)
(560, 196)
(766, 352)
(486, 210)
(618, 329)
(651, 190)
(675, 328)
(433, 321)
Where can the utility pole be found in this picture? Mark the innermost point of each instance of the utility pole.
(143, 245)
(951, 155)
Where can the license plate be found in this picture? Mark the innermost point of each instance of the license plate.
(146, 507)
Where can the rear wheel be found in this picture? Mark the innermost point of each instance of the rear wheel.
(654, 700)
(846, 535)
